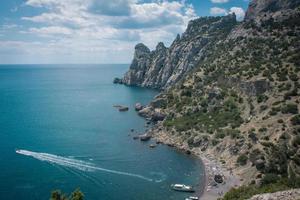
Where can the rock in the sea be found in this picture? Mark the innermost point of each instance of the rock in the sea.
(188, 152)
(138, 106)
(146, 112)
(145, 137)
(118, 81)
(123, 109)
(136, 137)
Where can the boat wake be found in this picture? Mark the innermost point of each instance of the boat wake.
(80, 165)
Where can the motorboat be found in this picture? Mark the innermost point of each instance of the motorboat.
(182, 188)
(192, 198)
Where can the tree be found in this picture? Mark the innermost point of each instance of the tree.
(58, 195)
(77, 195)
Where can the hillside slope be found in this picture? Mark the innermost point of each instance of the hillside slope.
(239, 100)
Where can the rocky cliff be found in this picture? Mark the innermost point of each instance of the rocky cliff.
(164, 66)
(270, 8)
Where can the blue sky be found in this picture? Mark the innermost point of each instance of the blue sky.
(96, 31)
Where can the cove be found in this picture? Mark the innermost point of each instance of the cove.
(63, 120)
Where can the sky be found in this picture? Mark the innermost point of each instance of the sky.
(96, 31)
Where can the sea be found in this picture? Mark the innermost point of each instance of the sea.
(59, 130)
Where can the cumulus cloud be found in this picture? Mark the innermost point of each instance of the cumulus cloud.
(102, 30)
(218, 11)
(112, 7)
(159, 14)
(219, 1)
(239, 12)
(51, 30)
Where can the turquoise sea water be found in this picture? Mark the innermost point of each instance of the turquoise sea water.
(62, 115)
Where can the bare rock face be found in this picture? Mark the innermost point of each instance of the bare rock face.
(258, 8)
(139, 65)
(138, 106)
(250, 88)
(283, 195)
(163, 67)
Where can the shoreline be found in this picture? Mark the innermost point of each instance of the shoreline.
(210, 190)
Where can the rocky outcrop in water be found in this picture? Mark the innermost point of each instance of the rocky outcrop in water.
(163, 67)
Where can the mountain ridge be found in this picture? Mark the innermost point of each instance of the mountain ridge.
(162, 68)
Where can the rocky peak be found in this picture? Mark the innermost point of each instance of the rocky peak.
(160, 47)
(141, 50)
(163, 67)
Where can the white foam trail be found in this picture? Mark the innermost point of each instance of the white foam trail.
(74, 163)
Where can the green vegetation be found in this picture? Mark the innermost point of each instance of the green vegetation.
(246, 192)
(296, 120)
(290, 108)
(219, 117)
(262, 98)
(242, 159)
(241, 77)
(58, 195)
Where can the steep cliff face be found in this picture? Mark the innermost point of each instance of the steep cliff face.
(270, 8)
(164, 67)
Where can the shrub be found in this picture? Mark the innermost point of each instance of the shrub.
(269, 178)
(220, 134)
(280, 121)
(290, 108)
(252, 136)
(263, 129)
(296, 120)
(214, 142)
(242, 159)
(261, 98)
(293, 77)
(296, 141)
(290, 94)
(58, 195)
(263, 107)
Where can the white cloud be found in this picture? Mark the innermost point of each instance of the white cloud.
(83, 31)
(112, 7)
(218, 11)
(239, 12)
(219, 1)
(51, 30)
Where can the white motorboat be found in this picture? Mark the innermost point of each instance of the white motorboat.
(182, 188)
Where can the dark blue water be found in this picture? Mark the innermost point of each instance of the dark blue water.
(66, 111)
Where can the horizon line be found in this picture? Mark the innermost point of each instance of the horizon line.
(64, 63)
